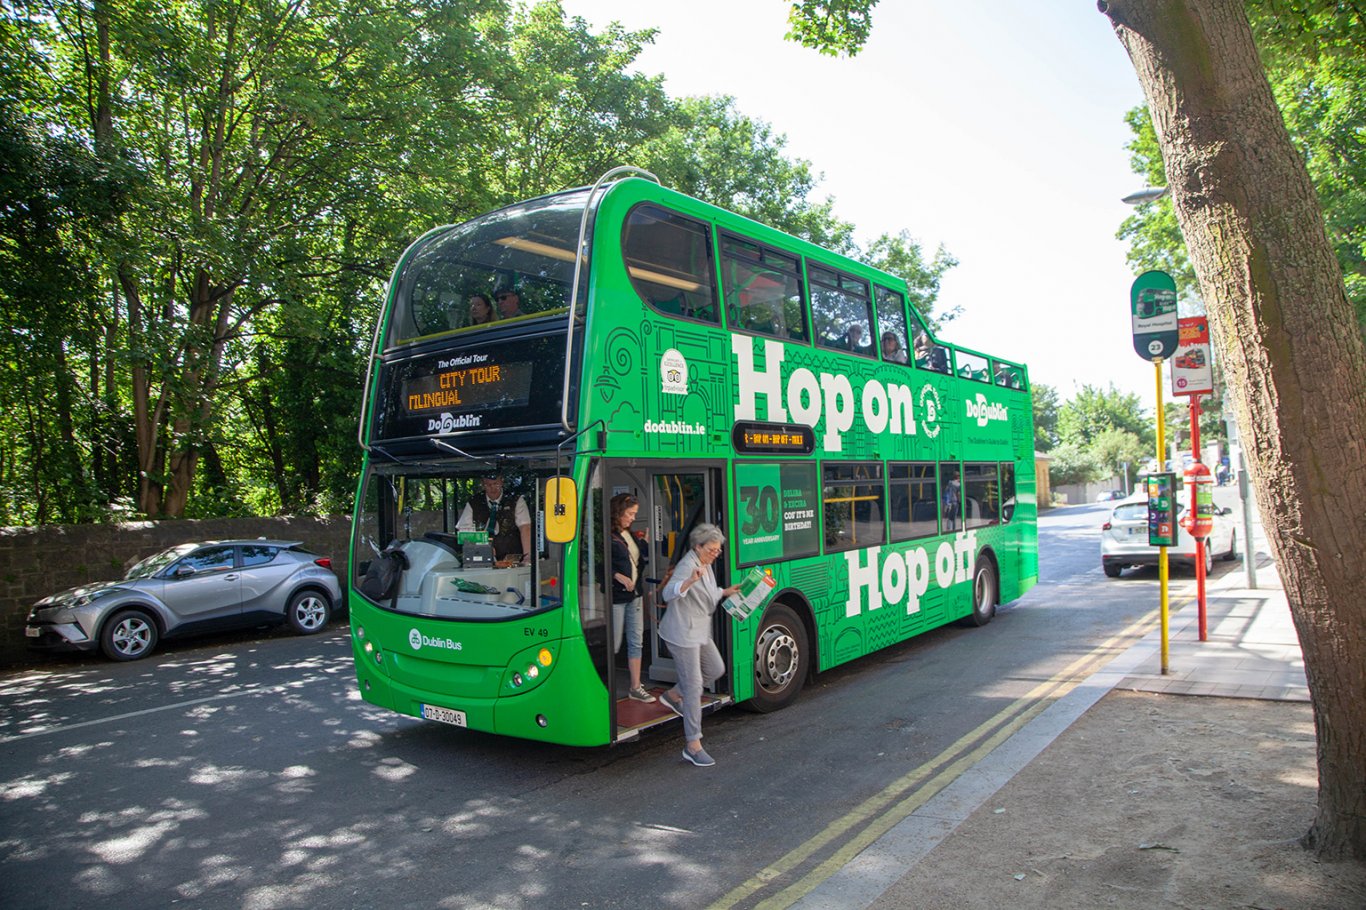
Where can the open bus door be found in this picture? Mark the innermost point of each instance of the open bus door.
(672, 503)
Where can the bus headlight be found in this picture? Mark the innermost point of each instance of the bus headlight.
(544, 657)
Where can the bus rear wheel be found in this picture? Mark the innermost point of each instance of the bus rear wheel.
(780, 656)
(985, 588)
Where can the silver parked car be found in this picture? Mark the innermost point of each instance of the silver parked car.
(1124, 538)
(190, 589)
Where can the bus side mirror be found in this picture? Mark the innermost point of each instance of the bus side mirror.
(561, 509)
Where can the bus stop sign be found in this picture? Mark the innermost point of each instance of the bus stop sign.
(1152, 303)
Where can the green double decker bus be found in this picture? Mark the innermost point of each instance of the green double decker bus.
(878, 481)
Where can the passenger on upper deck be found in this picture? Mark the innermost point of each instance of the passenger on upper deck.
(506, 519)
(930, 356)
(481, 311)
(509, 303)
(892, 351)
(852, 340)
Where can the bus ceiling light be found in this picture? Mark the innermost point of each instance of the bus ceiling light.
(1145, 195)
(660, 278)
(532, 246)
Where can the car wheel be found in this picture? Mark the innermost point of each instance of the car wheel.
(128, 635)
(984, 590)
(1232, 553)
(780, 655)
(1112, 569)
(1209, 558)
(308, 612)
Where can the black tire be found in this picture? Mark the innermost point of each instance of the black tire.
(309, 612)
(1209, 558)
(986, 587)
(1232, 553)
(780, 659)
(1112, 569)
(129, 635)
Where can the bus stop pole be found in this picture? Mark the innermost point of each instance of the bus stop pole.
(1161, 551)
(1200, 542)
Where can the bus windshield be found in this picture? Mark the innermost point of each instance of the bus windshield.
(523, 254)
(468, 538)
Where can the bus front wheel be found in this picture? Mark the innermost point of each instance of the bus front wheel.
(780, 656)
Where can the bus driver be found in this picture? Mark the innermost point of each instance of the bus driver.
(506, 519)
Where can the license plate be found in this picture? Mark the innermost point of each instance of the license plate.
(32, 631)
(444, 715)
(1135, 531)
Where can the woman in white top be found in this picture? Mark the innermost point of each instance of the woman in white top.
(693, 595)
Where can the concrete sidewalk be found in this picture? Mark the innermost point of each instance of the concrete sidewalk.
(1251, 649)
(1252, 652)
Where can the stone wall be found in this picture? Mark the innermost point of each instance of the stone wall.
(36, 562)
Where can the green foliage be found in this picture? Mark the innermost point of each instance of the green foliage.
(1093, 411)
(833, 27)
(1315, 57)
(1114, 448)
(714, 152)
(1073, 464)
(1046, 408)
(200, 205)
(902, 256)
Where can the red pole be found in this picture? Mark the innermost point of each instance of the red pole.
(1199, 541)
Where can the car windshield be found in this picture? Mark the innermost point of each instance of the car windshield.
(154, 564)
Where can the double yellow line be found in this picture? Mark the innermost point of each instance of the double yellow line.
(865, 823)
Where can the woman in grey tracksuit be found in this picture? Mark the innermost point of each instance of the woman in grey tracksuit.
(693, 595)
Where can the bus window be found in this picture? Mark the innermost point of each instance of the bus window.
(529, 247)
(1006, 375)
(853, 506)
(891, 324)
(669, 260)
(1007, 492)
(973, 366)
(911, 506)
(950, 496)
(840, 311)
(762, 290)
(981, 495)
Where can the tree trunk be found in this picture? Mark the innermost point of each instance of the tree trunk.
(1287, 336)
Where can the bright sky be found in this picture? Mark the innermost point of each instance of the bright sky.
(996, 130)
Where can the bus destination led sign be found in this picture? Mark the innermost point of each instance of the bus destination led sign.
(755, 438)
(468, 387)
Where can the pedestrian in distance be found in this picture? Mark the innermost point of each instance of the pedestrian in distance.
(693, 596)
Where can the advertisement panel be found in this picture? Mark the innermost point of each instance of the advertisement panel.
(776, 511)
(1192, 367)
